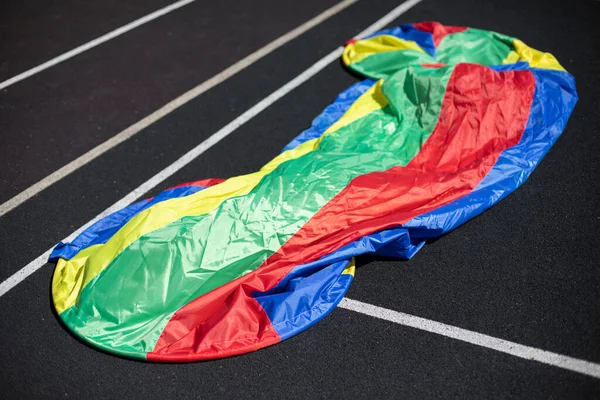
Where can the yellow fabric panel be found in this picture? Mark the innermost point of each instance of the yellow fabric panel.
(535, 58)
(71, 276)
(511, 58)
(350, 268)
(372, 100)
(69, 279)
(361, 49)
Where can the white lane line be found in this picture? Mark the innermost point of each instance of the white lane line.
(40, 261)
(94, 43)
(478, 339)
(169, 107)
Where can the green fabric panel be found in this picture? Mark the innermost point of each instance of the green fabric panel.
(382, 65)
(474, 46)
(126, 307)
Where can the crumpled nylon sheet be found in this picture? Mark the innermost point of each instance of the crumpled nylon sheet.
(450, 121)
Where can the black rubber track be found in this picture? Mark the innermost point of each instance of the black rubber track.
(527, 270)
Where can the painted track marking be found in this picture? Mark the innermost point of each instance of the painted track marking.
(215, 138)
(478, 339)
(168, 108)
(93, 43)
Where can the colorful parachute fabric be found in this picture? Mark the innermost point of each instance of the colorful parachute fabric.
(449, 122)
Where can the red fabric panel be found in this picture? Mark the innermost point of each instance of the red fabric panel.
(483, 113)
(202, 182)
(438, 30)
(214, 329)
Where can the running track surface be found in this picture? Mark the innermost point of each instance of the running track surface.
(527, 270)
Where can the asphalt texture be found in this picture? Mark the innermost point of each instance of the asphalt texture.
(526, 270)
